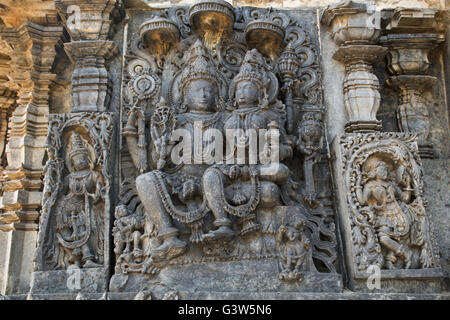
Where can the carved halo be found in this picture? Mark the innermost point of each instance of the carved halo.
(137, 66)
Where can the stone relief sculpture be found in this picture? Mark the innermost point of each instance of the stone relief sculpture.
(309, 143)
(247, 186)
(76, 192)
(216, 207)
(295, 247)
(390, 227)
(76, 223)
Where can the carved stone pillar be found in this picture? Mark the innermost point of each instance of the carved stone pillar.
(409, 41)
(88, 24)
(7, 101)
(355, 28)
(31, 52)
(73, 244)
(31, 64)
(90, 84)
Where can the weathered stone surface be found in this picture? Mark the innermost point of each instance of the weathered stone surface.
(383, 215)
(233, 276)
(327, 217)
(92, 280)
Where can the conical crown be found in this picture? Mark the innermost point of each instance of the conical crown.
(253, 69)
(78, 146)
(198, 66)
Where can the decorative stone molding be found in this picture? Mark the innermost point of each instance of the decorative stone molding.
(91, 86)
(31, 64)
(88, 24)
(382, 209)
(15, 13)
(410, 20)
(94, 18)
(7, 102)
(353, 23)
(408, 63)
(356, 28)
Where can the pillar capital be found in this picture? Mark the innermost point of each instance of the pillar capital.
(410, 36)
(86, 19)
(353, 22)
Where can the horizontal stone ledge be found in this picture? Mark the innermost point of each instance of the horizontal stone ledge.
(239, 296)
(432, 273)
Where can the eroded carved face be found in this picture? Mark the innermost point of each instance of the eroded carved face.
(200, 96)
(247, 94)
(382, 171)
(80, 162)
(292, 233)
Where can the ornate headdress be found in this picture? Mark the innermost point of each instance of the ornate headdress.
(253, 69)
(78, 147)
(198, 66)
(373, 163)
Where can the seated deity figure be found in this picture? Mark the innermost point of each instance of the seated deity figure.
(175, 191)
(78, 228)
(389, 201)
(239, 188)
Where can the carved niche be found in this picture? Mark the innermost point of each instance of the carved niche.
(205, 70)
(384, 218)
(76, 203)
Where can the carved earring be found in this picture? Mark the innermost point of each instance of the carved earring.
(181, 107)
(217, 103)
(234, 104)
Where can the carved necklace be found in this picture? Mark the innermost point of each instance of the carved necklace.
(245, 111)
(206, 120)
(77, 182)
